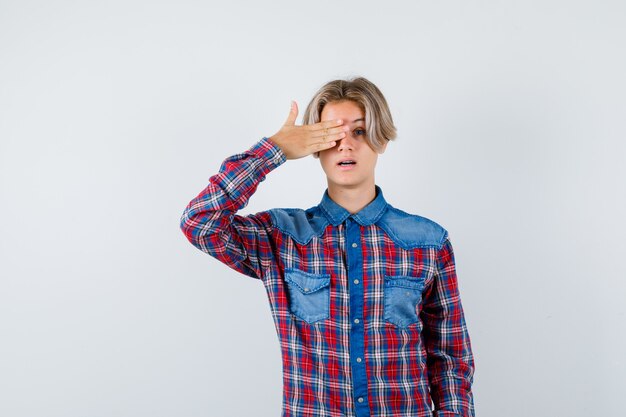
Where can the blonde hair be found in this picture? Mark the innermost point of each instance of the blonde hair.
(379, 125)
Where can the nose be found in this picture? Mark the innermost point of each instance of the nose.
(346, 143)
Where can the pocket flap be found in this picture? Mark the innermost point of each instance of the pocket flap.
(306, 282)
(405, 281)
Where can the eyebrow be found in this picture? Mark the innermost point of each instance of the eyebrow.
(358, 120)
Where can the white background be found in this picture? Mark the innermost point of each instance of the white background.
(113, 115)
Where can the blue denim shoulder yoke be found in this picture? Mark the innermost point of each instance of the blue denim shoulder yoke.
(407, 230)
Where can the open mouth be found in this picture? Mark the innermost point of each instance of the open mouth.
(346, 163)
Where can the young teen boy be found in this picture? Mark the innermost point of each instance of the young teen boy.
(364, 296)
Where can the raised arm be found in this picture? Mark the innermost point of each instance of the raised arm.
(449, 354)
(210, 221)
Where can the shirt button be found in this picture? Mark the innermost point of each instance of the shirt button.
(358, 360)
(360, 399)
(354, 245)
(356, 321)
(356, 281)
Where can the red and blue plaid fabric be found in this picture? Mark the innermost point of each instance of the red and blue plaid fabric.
(366, 305)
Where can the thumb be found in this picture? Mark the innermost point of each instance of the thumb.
(293, 113)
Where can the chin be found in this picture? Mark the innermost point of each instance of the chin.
(345, 182)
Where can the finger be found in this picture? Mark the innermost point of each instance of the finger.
(320, 146)
(327, 124)
(329, 138)
(329, 131)
(293, 114)
(325, 141)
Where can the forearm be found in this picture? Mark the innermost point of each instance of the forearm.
(450, 360)
(451, 368)
(210, 222)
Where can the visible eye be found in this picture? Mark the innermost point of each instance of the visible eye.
(362, 132)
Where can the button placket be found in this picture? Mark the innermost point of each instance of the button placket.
(354, 258)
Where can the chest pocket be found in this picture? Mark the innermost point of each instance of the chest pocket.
(401, 296)
(309, 295)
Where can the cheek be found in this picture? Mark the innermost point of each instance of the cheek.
(325, 161)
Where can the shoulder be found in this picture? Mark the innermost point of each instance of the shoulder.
(298, 223)
(405, 229)
(412, 230)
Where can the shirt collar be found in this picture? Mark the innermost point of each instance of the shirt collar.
(366, 216)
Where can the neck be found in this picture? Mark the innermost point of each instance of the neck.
(354, 198)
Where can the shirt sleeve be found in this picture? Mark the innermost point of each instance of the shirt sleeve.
(449, 359)
(210, 221)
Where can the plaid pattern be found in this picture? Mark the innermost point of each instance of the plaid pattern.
(366, 306)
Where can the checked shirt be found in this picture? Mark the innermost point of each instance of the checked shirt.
(366, 306)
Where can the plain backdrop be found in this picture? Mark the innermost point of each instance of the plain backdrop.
(113, 116)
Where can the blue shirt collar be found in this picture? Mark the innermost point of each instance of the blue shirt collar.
(366, 216)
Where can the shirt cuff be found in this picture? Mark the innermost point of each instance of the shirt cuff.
(269, 152)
